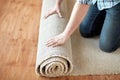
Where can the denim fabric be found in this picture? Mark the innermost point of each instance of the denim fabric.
(104, 22)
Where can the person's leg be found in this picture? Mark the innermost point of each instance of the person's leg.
(110, 34)
(92, 23)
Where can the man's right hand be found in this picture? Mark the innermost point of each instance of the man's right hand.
(55, 10)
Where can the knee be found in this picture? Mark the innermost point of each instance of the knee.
(84, 31)
(108, 47)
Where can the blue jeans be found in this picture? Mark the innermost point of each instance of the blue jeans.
(104, 22)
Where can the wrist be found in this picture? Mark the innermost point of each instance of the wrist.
(65, 33)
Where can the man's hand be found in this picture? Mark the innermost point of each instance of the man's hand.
(57, 40)
(55, 10)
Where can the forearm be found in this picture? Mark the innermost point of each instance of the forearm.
(58, 2)
(78, 13)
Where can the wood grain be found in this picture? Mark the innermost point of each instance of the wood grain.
(19, 24)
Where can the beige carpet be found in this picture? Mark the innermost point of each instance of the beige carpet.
(78, 56)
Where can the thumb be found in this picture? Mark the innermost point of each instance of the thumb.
(59, 14)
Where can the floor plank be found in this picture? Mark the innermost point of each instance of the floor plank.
(19, 24)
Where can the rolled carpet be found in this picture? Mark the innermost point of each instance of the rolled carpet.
(78, 56)
(56, 61)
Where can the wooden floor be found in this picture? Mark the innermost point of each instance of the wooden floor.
(19, 24)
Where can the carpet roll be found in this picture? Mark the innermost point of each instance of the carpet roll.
(82, 53)
(53, 62)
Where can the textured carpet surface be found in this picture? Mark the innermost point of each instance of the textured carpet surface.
(78, 56)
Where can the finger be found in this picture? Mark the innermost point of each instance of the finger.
(56, 44)
(49, 14)
(52, 43)
(59, 14)
(50, 40)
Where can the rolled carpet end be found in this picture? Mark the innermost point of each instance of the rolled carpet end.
(54, 67)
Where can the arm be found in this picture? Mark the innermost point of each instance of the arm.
(58, 2)
(78, 13)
